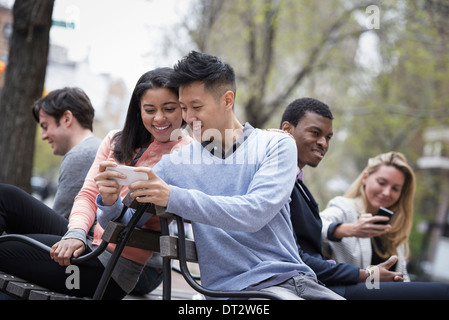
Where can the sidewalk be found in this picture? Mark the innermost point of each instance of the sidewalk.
(181, 290)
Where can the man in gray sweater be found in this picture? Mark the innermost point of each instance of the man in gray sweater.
(66, 118)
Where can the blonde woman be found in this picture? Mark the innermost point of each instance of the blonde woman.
(351, 233)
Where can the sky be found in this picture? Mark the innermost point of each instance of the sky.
(118, 37)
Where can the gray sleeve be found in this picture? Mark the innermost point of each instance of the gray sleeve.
(79, 234)
(74, 167)
(72, 172)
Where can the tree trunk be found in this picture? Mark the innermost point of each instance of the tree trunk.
(24, 83)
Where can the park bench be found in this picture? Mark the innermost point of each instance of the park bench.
(169, 246)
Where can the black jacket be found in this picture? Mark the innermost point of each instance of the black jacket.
(307, 225)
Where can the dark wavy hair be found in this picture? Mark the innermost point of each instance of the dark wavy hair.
(134, 134)
(59, 101)
(217, 76)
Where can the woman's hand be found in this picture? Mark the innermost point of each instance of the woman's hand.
(108, 187)
(62, 251)
(365, 227)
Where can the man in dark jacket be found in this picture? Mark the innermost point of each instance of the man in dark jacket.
(309, 121)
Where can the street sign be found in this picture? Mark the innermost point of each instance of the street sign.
(63, 24)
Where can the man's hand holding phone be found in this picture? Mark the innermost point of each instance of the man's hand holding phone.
(112, 177)
(154, 190)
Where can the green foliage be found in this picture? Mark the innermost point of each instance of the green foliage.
(277, 46)
(382, 98)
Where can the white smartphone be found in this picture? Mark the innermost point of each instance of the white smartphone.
(131, 175)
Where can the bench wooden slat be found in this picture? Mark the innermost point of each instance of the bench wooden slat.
(60, 296)
(6, 278)
(153, 209)
(169, 248)
(49, 295)
(40, 295)
(22, 289)
(142, 239)
(151, 240)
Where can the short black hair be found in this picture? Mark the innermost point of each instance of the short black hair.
(299, 107)
(69, 98)
(217, 76)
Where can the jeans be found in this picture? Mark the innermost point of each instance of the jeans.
(303, 287)
(149, 279)
(398, 291)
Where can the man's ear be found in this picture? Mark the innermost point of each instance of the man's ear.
(287, 126)
(229, 99)
(67, 118)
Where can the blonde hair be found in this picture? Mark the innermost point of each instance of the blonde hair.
(401, 223)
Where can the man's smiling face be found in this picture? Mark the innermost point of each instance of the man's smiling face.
(312, 135)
